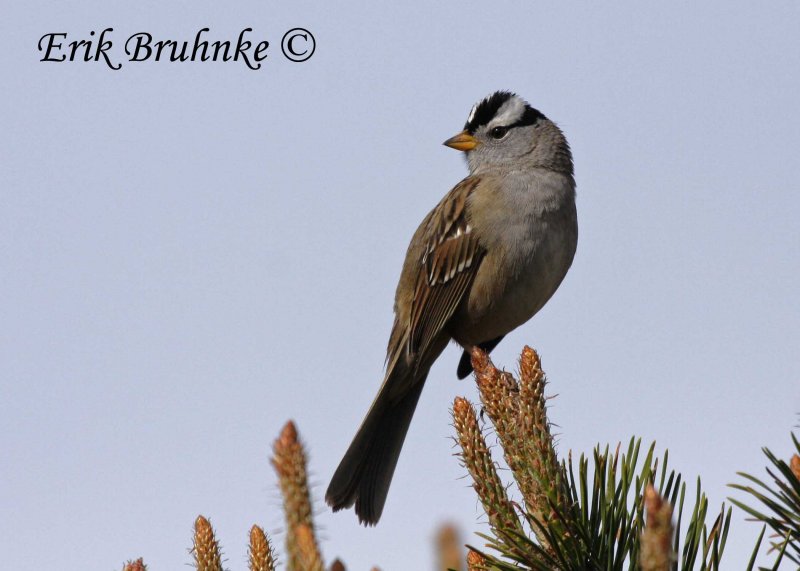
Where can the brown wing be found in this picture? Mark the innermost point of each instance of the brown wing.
(446, 268)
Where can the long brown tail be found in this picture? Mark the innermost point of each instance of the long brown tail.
(365, 472)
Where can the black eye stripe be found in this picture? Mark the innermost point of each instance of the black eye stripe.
(530, 117)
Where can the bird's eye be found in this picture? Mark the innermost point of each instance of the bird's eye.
(498, 132)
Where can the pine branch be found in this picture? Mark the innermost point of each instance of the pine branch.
(261, 556)
(656, 551)
(289, 460)
(137, 565)
(478, 461)
(475, 561)
(781, 498)
(206, 551)
(589, 515)
(308, 557)
(448, 549)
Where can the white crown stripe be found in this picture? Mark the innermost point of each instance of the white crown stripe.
(472, 113)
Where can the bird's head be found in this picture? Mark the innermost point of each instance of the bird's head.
(504, 131)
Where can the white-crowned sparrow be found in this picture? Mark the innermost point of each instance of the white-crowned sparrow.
(483, 262)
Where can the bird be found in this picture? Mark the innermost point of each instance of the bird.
(484, 261)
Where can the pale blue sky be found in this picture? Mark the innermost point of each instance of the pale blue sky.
(192, 254)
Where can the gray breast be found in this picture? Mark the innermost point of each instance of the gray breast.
(532, 232)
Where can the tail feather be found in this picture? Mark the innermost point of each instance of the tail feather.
(365, 473)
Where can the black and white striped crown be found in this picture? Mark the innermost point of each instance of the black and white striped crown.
(517, 111)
